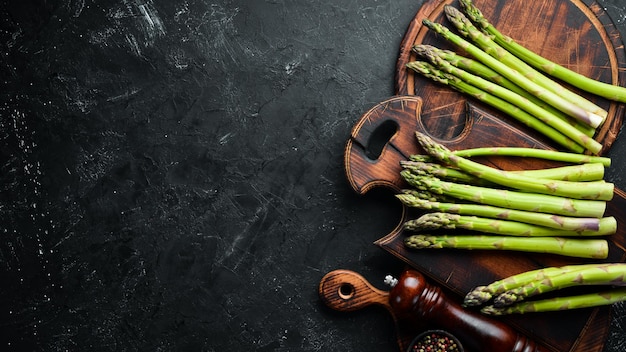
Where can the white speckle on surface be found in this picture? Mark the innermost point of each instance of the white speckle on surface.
(133, 44)
(133, 25)
(225, 138)
(76, 7)
(151, 22)
(290, 68)
(124, 96)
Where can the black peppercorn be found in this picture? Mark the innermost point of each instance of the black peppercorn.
(435, 341)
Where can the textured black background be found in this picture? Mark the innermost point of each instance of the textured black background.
(172, 173)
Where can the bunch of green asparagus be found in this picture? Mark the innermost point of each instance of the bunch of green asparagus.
(506, 76)
(511, 295)
(559, 210)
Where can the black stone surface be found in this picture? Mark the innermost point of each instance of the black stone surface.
(172, 173)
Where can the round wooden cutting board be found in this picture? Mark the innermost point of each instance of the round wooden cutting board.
(574, 33)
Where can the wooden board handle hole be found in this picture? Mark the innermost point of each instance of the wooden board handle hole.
(346, 291)
(379, 139)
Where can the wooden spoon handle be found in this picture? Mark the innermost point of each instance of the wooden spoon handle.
(345, 290)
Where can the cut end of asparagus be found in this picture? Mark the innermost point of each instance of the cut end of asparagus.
(595, 120)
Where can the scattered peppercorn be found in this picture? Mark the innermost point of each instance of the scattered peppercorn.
(435, 342)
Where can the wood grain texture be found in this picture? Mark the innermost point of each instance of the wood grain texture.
(576, 34)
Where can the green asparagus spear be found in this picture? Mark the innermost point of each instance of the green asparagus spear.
(534, 153)
(449, 221)
(540, 219)
(541, 203)
(505, 94)
(591, 167)
(481, 70)
(577, 173)
(606, 90)
(425, 158)
(561, 303)
(549, 97)
(579, 190)
(602, 274)
(582, 172)
(597, 249)
(469, 65)
(442, 172)
(429, 71)
(482, 294)
(419, 194)
(467, 29)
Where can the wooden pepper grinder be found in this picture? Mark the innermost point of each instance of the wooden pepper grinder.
(414, 302)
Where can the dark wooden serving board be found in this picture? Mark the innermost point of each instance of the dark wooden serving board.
(459, 271)
(577, 34)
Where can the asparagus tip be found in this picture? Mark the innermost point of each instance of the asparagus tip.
(506, 299)
(477, 296)
(491, 310)
(419, 242)
(472, 11)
